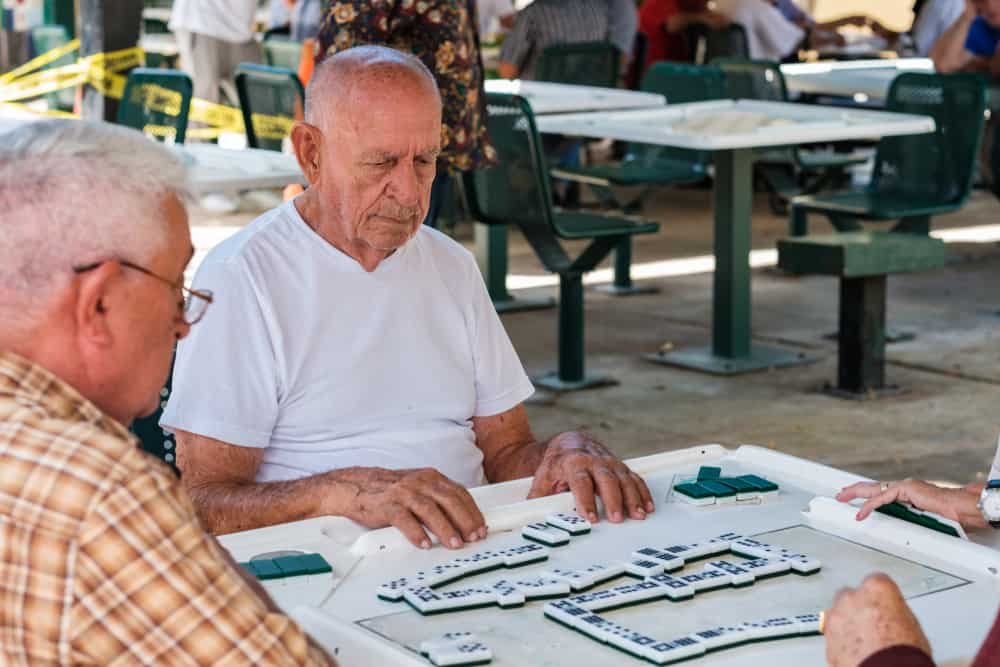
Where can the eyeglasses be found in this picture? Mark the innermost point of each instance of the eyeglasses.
(194, 304)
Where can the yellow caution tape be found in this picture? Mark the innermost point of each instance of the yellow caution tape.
(40, 61)
(24, 108)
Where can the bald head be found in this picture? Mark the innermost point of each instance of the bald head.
(339, 77)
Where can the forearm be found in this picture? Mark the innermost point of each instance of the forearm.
(966, 505)
(229, 507)
(516, 461)
(948, 52)
(508, 70)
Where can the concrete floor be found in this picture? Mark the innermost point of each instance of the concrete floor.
(942, 428)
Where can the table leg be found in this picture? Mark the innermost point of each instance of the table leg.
(491, 254)
(732, 351)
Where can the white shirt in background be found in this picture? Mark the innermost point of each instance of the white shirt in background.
(935, 17)
(489, 13)
(323, 365)
(228, 20)
(770, 36)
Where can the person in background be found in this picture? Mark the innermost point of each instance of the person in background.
(104, 561)
(442, 34)
(495, 18)
(663, 22)
(770, 36)
(213, 37)
(623, 23)
(935, 17)
(970, 44)
(545, 23)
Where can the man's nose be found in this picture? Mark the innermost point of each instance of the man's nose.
(405, 185)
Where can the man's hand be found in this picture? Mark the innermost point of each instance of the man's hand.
(955, 504)
(871, 618)
(575, 462)
(412, 500)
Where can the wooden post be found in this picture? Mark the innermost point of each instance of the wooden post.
(104, 26)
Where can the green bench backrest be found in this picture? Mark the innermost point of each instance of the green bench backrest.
(271, 92)
(753, 79)
(940, 164)
(279, 52)
(583, 63)
(45, 38)
(157, 101)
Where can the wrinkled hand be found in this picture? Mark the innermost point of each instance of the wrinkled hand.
(412, 500)
(865, 620)
(922, 495)
(575, 462)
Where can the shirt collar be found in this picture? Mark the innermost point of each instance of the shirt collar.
(37, 388)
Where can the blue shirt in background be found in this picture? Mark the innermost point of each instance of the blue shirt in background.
(982, 38)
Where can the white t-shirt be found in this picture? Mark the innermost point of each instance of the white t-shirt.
(995, 470)
(489, 13)
(324, 366)
(935, 17)
(770, 36)
(228, 20)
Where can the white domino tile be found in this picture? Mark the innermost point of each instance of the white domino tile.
(479, 562)
(447, 639)
(674, 588)
(644, 568)
(542, 587)
(566, 612)
(721, 637)
(423, 599)
(601, 572)
(739, 576)
(766, 567)
(465, 598)
(461, 654)
(543, 532)
(523, 554)
(440, 574)
(578, 580)
(572, 523)
(507, 594)
(394, 589)
(678, 649)
(807, 624)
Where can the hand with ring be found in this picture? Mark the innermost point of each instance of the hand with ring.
(956, 504)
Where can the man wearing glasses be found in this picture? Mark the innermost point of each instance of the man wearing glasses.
(102, 558)
(354, 364)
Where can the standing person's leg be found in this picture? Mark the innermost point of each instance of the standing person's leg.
(199, 55)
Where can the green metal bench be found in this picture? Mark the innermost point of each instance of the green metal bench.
(517, 192)
(282, 52)
(157, 102)
(915, 176)
(647, 166)
(862, 261)
(268, 91)
(45, 38)
(580, 63)
(789, 171)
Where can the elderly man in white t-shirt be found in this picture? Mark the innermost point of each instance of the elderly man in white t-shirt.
(353, 364)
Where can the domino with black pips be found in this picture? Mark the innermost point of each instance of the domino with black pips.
(632, 642)
(466, 598)
(480, 562)
(739, 576)
(566, 612)
(593, 626)
(644, 568)
(523, 554)
(764, 630)
(751, 548)
(803, 564)
(674, 588)
(507, 594)
(697, 550)
(577, 579)
(423, 598)
(546, 534)
(663, 653)
(571, 522)
(669, 561)
(721, 637)
(469, 653)
(706, 580)
(596, 600)
(601, 572)
(540, 588)
(393, 590)
(766, 567)
(439, 575)
(447, 639)
(635, 593)
(807, 624)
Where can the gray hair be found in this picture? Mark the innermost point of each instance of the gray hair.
(73, 192)
(336, 74)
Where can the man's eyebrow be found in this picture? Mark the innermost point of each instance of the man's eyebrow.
(376, 156)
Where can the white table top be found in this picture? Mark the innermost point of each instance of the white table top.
(951, 584)
(160, 42)
(870, 78)
(546, 98)
(215, 169)
(732, 124)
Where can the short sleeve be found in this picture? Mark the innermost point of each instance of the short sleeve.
(517, 45)
(779, 36)
(225, 381)
(151, 587)
(501, 383)
(981, 40)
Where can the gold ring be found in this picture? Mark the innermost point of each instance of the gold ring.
(822, 621)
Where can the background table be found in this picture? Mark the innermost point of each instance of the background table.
(952, 584)
(860, 80)
(731, 350)
(545, 98)
(214, 169)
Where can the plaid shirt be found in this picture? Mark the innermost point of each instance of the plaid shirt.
(442, 33)
(545, 23)
(102, 559)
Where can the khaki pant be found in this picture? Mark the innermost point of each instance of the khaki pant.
(211, 62)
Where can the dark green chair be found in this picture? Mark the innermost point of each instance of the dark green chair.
(517, 192)
(267, 93)
(705, 44)
(788, 171)
(45, 38)
(915, 176)
(157, 102)
(581, 63)
(646, 165)
(282, 52)
(153, 439)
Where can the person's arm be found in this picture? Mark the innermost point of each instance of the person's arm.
(571, 461)
(866, 624)
(194, 605)
(949, 53)
(220, 476)
(517, 46)
(682, 20)
(959, 504)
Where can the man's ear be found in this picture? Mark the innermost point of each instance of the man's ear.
(94, 303)
(308, 142)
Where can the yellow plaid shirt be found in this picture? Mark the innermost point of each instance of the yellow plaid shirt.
(102, 559)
